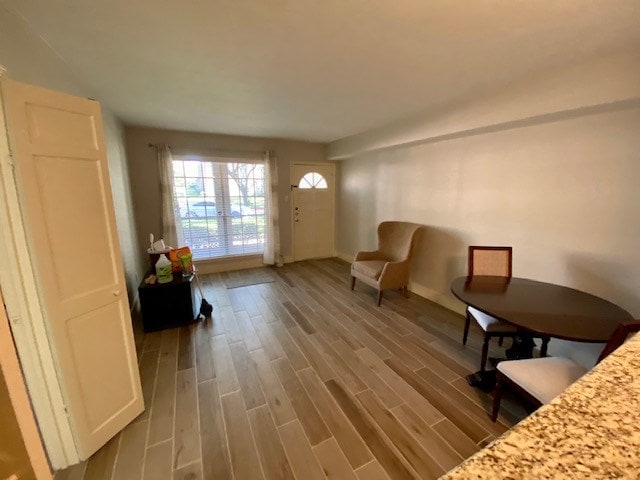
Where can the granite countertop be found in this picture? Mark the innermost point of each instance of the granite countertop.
(590, 431)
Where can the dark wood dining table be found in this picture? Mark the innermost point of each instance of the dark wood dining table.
(539, 309)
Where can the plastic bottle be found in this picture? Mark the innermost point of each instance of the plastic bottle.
(164, 269)
(187, 264)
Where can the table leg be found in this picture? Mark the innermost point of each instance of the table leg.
(522, 347)
(485, 380)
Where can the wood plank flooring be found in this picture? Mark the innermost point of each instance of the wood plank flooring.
(302, 378)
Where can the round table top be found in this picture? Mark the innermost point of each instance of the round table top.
(542, 308)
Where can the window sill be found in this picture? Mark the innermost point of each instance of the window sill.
(226, 264)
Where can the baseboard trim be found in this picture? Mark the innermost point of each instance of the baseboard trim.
(422, 291)
(228, 264)
(437, 297)
(344, 256)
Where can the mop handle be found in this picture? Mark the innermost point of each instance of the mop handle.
(195, 274)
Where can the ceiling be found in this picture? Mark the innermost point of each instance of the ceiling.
(314, 70)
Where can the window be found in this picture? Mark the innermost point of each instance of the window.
(221, 205)
(313, 180)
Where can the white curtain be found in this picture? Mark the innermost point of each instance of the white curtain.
(171, 225)
(271, 254)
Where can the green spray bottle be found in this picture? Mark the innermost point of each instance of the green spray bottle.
(164, 270)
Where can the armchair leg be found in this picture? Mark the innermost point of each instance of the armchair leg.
(485, 352)
(497, 398)
(353, 282)
(379, 297)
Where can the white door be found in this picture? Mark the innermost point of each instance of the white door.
(63, 183)
(313, 195)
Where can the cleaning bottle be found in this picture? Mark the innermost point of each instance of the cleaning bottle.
(164, 269)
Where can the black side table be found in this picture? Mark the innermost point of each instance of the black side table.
(168, 305)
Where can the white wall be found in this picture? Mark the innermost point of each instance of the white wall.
(549, 166)
(145, 177)
(28, 59)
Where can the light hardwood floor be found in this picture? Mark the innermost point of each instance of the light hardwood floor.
(303, 378)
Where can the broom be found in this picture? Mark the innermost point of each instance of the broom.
(206, 309)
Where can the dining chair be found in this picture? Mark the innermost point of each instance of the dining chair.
(494, 261)
(540, 380)
(388, 266)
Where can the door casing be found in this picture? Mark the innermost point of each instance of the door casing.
(36, 458)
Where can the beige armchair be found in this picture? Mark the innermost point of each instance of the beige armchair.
(388, 266)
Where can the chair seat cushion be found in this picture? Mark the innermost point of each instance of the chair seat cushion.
(489, 323)
(544, 378)
(369, 268)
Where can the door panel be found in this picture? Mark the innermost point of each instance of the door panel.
(49, 127)
(61, 212)
(106, 386)
(313, 212)
(63, 182)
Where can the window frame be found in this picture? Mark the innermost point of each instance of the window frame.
(227, 216)
(315, 181)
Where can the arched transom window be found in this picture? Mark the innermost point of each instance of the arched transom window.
(313, 180)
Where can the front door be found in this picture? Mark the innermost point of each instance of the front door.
(313, 195)
(63, 182)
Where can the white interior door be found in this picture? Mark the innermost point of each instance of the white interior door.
(313, 195)
(63, 183)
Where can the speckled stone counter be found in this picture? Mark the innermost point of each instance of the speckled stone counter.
(590, 431)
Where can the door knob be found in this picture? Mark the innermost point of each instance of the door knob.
(116, 293)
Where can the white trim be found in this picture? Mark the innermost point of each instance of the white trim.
(447, 301)
(221, 156)
(227, 264)
(288, 259)
(345, 257)
(19, 286)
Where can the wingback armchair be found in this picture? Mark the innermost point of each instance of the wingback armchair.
(388, 266)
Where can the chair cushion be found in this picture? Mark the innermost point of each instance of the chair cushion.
(489, 323)
(369, 268)
(544, 378)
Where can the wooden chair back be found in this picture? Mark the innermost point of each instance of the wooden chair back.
(494, 261)
(618, 338)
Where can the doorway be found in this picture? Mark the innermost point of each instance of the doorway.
(313, 210)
